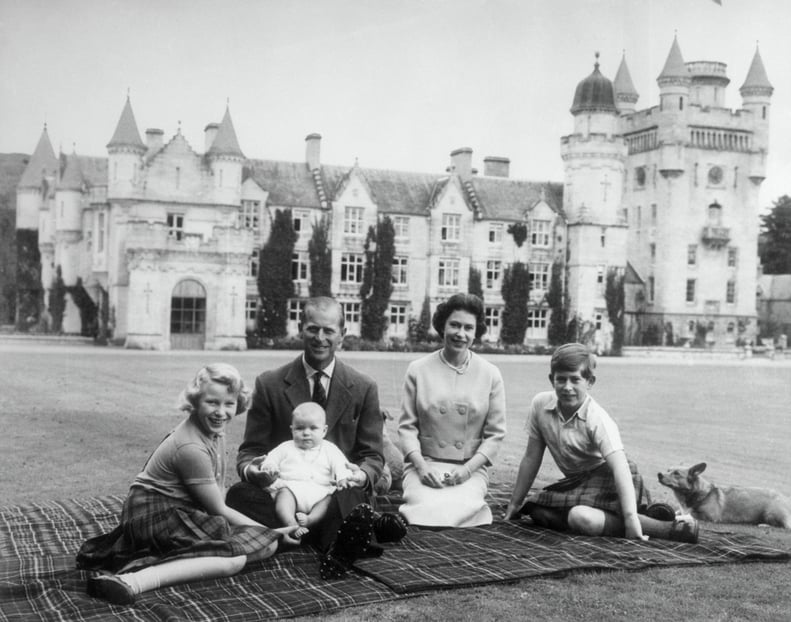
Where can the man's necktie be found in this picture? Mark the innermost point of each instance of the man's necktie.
(319, 394)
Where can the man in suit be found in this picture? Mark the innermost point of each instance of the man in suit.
(354, 423)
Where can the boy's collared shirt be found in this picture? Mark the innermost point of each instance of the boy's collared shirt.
(579, 443)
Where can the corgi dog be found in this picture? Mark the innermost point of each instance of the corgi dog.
(726, 504)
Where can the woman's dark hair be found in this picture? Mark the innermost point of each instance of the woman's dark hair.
(459, 302)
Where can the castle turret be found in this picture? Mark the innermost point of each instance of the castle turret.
(626, 95)
(593, 158)
(38, 177)
(674, 83)
(126, 151)
(756, 95)
(226, 159)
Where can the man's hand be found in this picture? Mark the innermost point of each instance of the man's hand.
(263, 477)
(358, 478)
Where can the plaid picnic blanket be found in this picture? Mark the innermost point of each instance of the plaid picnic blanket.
(38, 579)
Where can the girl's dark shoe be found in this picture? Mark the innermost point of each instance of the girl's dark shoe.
(110, 588)
(684, 531)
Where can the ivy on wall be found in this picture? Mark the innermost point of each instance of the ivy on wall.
(28, 279)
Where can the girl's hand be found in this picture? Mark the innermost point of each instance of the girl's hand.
(633, 529)
(511, 512)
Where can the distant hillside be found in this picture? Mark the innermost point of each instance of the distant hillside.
(12, 165)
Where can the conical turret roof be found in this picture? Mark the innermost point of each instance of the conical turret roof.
(594, 93)
(43, 160)
(225, 142)
(756, 76)
(623, 85)
(71, 178)
(674, 65)
(126, 132)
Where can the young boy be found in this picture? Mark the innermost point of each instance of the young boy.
(306, 470)
(597, 495)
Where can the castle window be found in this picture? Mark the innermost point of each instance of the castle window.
(651, 289)
(300, 221)
(692, 254)
(175, 226)
(598, 318)
(715, 214)
(735, 176)
(730, 292)
(100, 232)
(351, 312)
(491, 317)
(352, 268)
(299, 267)
(448, 274)
(252, 266)
(603, 237)
(539, 275)
(540, 231)
(295, 309)
(251, 216)
(494, 271)
(400, 272)
(652, 250)
(690, 296)
(536, 319)
(353, 220)
(401, 227)
(733, 253)
(653, 214)
(451, 227)
(251, 309)
(763, 112)
(178, 177)
(681, 103)
(495, 233)
(398, 318)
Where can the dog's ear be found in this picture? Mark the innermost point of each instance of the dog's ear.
(696, 470)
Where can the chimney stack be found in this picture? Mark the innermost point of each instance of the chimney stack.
(210, 133)
(461, 162)
(154, 139)
(495, 166)
(313, 151)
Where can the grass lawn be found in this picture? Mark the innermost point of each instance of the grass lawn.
(80, 421)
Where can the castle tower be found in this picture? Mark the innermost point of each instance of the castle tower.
(756, 95)
(593, 158)
(674, 83)
(125, 161)
(626, 95)
(226, 159)
(38, 177)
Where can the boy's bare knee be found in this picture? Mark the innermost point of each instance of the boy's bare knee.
(585, 520)
(230, 566)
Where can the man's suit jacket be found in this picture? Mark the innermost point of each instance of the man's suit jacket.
(354, 420)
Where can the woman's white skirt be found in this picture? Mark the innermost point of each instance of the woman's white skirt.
(450, 506)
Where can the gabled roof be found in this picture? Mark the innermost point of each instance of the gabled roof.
(756, 76)
(674, 65)
(289, 184)
(43, 159)
(225, 142)
(623, 85)
(126, 132)
(509, 199)
(395, 192)
(632, 276)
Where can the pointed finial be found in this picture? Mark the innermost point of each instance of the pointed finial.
(596, 64)
(356, 162)
(179, 128)
(74, 147)
(128, 92)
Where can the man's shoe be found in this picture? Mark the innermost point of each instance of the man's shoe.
(389, 527)
(110, 588)
(353, 539)
(684, 531)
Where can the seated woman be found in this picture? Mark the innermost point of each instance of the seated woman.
(452, 423)
(175, 526)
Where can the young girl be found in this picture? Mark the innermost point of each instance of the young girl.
(175, 526)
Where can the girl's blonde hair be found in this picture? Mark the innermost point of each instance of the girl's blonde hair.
(221, 373)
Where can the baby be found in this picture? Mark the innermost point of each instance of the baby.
(306, 470)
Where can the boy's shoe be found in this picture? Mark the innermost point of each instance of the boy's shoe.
(660, 511)
(684, 531)
(353, 539)
(110, 588)
(389, 527)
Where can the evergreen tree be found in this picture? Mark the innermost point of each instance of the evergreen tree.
(320, 258)
(30, 296)
(377, 280)
(556, 331)
(775, 246)
(615, 298)
(419, 327)
(275, 285)
(474, 285)
(57, 301)
(87, 308)
(516, 293)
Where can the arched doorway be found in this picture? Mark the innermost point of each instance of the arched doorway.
(188, 316)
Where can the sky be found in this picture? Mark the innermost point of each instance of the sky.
(395, 84)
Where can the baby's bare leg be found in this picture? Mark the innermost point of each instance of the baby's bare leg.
(317, 512)
(286, 507)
